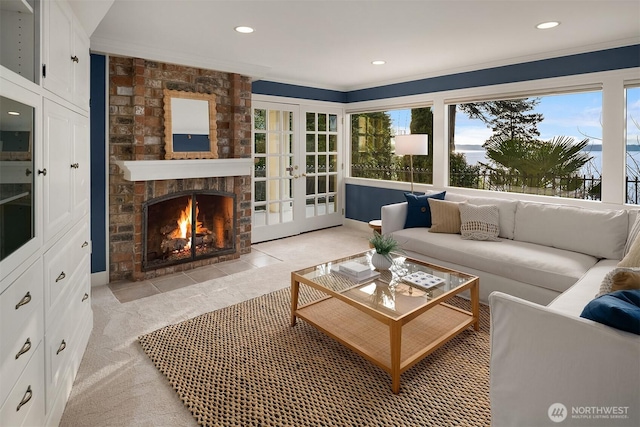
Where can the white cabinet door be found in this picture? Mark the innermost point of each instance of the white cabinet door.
(58, 48)
(81, 67)
(80, 167)
(57, 155)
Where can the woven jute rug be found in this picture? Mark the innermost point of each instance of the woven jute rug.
(245, 366)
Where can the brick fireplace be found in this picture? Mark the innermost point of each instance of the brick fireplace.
(139, 177)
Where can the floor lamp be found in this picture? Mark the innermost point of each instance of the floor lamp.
(417, 144)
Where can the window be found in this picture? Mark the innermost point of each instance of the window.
(633, 145)
(373, 148)
(549, 145)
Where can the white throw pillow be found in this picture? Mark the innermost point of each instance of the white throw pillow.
(479, 222)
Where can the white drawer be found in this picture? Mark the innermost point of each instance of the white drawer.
(25, 404)
(62, 261)
(70, 297)
(21, 324)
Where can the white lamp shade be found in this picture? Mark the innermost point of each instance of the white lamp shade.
(416, 145)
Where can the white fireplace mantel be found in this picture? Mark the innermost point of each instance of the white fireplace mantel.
(152, 170)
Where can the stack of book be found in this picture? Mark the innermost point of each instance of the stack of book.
(358, 273)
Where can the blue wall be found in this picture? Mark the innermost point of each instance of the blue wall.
(363, 203)
(98, 164)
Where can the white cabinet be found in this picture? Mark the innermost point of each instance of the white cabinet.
(45, 292)
(65, 54)
(66, 167)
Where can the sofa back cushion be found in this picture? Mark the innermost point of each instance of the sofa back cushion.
(602, 234)
(506, 210)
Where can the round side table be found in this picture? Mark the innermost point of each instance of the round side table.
(376, 225)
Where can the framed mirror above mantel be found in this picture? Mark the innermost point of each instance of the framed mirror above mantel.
(190, 130)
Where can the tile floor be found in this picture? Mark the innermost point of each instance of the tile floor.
(126, 291)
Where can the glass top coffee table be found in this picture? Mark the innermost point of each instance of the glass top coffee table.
(389, 321)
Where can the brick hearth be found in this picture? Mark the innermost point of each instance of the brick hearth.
(136, 132)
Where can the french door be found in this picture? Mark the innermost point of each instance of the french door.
(297, 170)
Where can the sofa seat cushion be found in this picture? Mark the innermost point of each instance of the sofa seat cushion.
(550, 268)
(576, 297)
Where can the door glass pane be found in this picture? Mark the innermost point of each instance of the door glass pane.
(311, 121)
(310, 207)
(274, 120)
(311, 185)
(333, 143)
(260, 144)
(322, 143)
(17, 175)
(322, 184)
(260, 192)
(333, 163)
(322, 122)
(332, 205)
(333, 123)
(260, 119)
(260, 167)
(311, 164)
(274, 213)
(322, 163)
(260, 215)
(287, 120)
(274, 144)
(273, 165)
(274, 190)
(311, 143)
(333, 181)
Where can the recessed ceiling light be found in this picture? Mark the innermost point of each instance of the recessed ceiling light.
(378, 62)
(244, 30)
(547, 25)
(13, 113)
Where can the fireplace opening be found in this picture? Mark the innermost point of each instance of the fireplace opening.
(185, 227)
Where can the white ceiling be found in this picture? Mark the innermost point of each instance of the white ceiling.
(330, 44)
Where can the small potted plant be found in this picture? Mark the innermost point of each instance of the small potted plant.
(384, 245)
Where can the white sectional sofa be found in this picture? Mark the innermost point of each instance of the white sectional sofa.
(548, 264)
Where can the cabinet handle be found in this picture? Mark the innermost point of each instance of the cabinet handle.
(42, 172)
(28, 172)
(75, 165)
(25, 300)
(74, 58)
(26, 398)
(63, 345)
(85, 296)
(26, 347)
(85, 244)
(61, 276)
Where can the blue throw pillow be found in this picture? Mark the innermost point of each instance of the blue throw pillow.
(418, 212)
(620, 310)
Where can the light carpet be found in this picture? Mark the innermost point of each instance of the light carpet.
(245, 366)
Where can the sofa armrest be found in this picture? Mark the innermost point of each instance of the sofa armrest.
(393, 217)
(540, 357)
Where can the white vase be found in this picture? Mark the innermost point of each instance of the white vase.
(380, 262)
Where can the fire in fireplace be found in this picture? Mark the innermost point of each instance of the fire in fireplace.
(184, 227)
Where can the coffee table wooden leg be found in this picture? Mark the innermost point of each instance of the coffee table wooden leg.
(395, 332)
(475, 304)
(295, 288)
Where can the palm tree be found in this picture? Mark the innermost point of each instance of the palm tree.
(539, 164)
